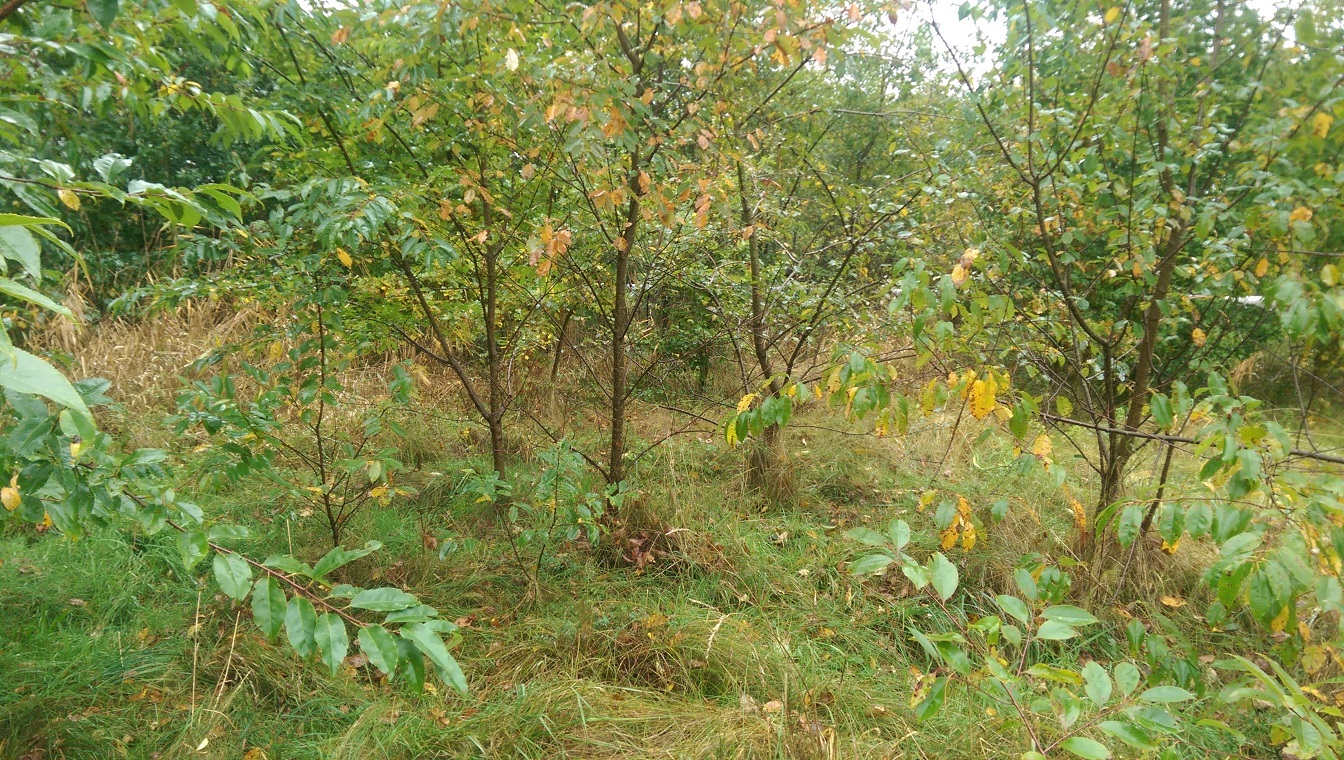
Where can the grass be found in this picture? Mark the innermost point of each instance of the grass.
(746, 639)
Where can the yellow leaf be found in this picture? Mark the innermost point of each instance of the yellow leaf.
(344, 258)
(1197, 335)
(1079, 514)
(1174, 602)
(1280, 620)
(1320, 124)
(958, 274)
(9, 496)
(949, 537)
(968, 538)
(926, 498)
(1261, 267)
(928, 400)
(1112, 15)
(1041, 446)
(68, 197)
(745, 403)
(1330, 275)
(1170, 547)
(982, 398)
(1300, 214)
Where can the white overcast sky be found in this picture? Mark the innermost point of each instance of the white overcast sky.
(962, 34)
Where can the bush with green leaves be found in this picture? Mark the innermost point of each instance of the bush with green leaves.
(1012, 663)
(560, 509)
(300, 599)
(296, 425)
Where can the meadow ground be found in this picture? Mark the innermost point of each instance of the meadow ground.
(745, 636)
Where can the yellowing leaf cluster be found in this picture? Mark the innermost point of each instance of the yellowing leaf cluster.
(9, 495)
(1320, 124)
(961, 529)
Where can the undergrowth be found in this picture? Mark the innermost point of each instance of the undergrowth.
(744, 637)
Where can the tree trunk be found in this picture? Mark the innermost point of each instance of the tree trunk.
(620, 318)
(766, 471)
(494, 362)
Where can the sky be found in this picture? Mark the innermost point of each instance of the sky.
(961, 33)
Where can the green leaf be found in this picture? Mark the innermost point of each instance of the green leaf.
(1088, 749)
(428, 642)
(193, 547)
(1165, 694)
(233, 575)
(228, 533)
(1127, 677)
(933, 702)
(1053, 630)
(916, 573)
(26, 373)
(301, 626)
(1156, 719)
(28, 435)
(1052, 673)
(268, 606)
(899, 532)
(417, 614)
(870, 564)
(1097, 684)
(1130, 525)
(287, 564)
(104, 11)
(379, 646)
(1026, 584)
(1015, 607)
(943, 575)
(332, 640)
(1198, 520)
(999, 509)
(1068, 615)
(27, 405)
(1160, 406)
(28, 295)
(1129, 734)
(338, 557)
(18, 244)
(412, 665)
(383, 600)
(867, 536)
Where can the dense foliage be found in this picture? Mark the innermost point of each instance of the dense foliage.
(1103, 242)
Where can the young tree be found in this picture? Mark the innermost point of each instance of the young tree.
(1126, 141)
